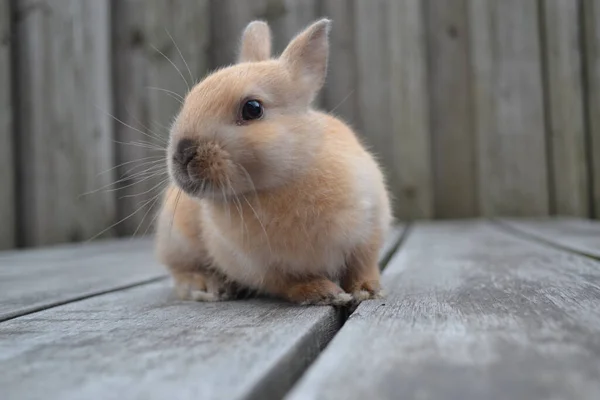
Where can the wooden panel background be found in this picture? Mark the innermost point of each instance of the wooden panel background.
(7, 204)
(473, 107)
(65, 137)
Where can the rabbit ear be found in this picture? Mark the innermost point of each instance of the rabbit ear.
(256, 42)
(307, 54)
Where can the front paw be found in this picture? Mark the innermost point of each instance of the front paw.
(199, 286)
(367, 290)
(318, 292)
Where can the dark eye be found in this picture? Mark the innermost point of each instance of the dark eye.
(252, 110)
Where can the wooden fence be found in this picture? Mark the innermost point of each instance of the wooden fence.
(475, 107)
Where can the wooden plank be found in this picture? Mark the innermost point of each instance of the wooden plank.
(65, 137)
(410, 141)
(38, 279)
(472, 313)
(453, 138)
(508, 107)
(562, 60)
(7, 195)
(161, 49)
(226, 37)
(241, 349)
(591, 12)
(339, 93)
(390, 63)
(141, 343)
(579, 235)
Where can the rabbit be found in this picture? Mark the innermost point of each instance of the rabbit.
(266, 192)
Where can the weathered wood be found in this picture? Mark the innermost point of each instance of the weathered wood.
(391, 242)
(565, 112)
(409, 103)
(591, 12)
(160, 51)
(471, 313)
(508, 109)
(339, 93)
(34, 280)
(579, 235)
(65, 137)
(103, 345)
(226, 37)
(7, 194)
(141, 343)
(382, 91)
(450, 95)
(288, 18)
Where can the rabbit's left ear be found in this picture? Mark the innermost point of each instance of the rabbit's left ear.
(307, 54)
(256, 42)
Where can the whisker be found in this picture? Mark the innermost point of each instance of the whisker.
(181, 55)
(148, 170)
(120, 221)
(148, 164)
(131, 127)
(122, 187)
(155, 215)
(171, 93)
(174, 66)
(156, 198)
(175, 210)
(142, 145)
(239, 207)
(129, 162)
(145, 192)
(343, 101)
(153, 133)
(260, 222)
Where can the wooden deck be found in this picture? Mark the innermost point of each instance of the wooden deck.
(475, 309)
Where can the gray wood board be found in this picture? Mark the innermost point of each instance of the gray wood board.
(7, 195)
(451, 109)
(508, 107)
(579, 235)
(65, 138)
(472, 313)
(107, 344)
(142, 343)
(36, 279)
(567, 157)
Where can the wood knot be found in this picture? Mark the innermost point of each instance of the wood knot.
(452, 31)
(137, 38)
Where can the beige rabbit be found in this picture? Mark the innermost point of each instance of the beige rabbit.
(267, 193)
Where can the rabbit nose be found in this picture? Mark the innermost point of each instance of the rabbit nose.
(186, 151)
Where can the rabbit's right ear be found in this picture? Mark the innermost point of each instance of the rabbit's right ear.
(256, 42)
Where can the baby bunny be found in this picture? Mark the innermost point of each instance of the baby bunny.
(267, 193)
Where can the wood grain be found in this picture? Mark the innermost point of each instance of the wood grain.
(566, 133)
(579, 235)
(65, 137)
(42, 278)
(409, 137)
(141, 343)
(339, 93)
(508, 107)
(471, 313)
(110, 343)
(373, 120)
(160, 52)
(7, 171)
(591, 12)
(453, 140)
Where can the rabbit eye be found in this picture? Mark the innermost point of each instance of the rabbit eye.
(251, 110)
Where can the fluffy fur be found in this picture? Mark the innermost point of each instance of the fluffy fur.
(291, 204)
